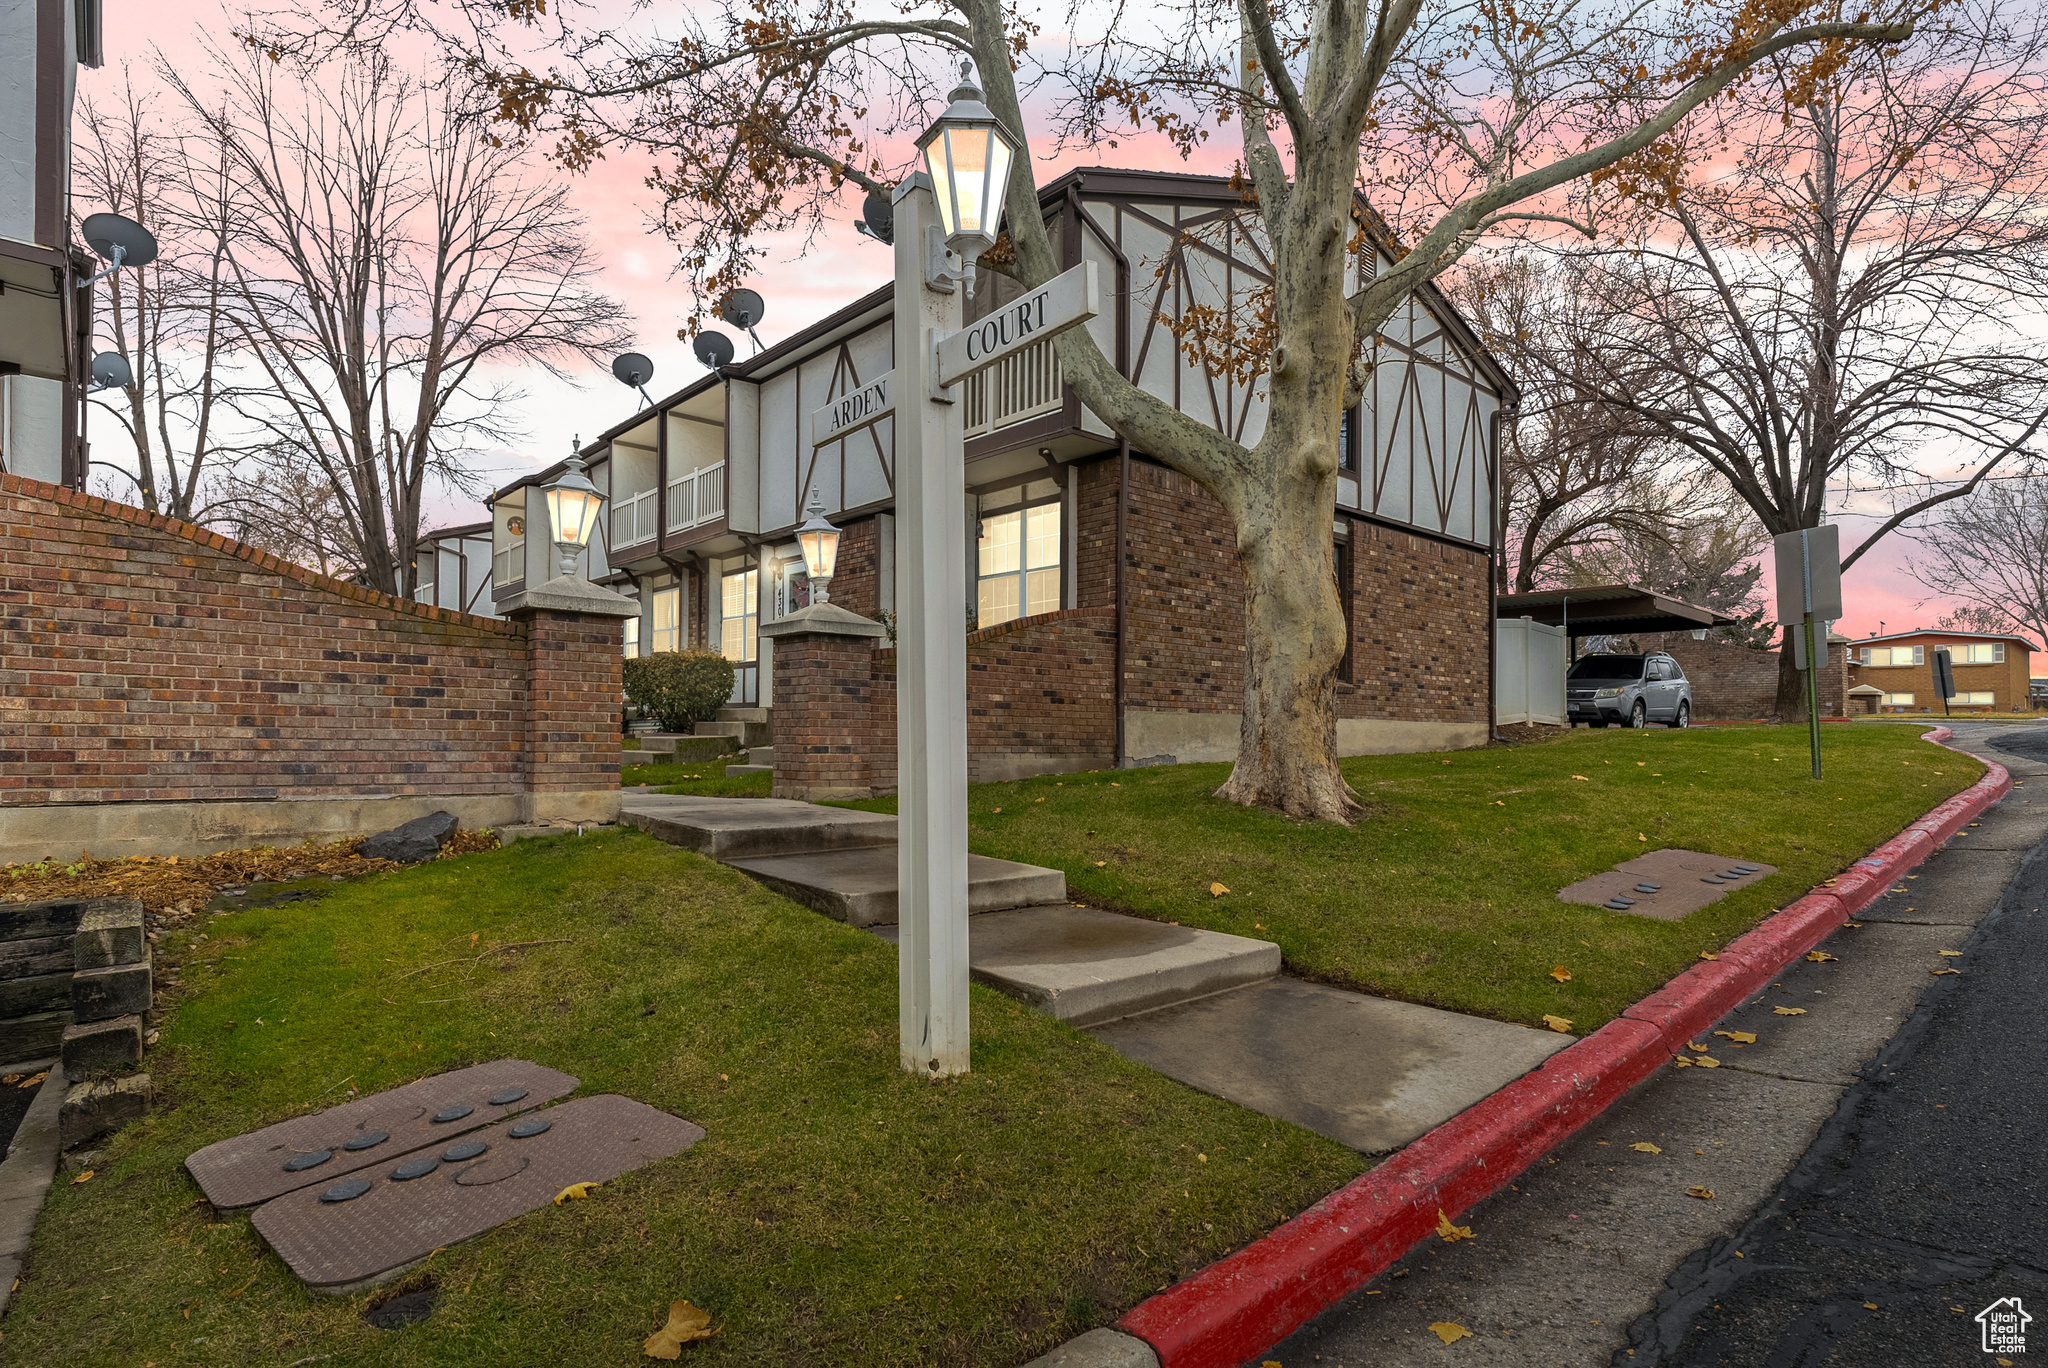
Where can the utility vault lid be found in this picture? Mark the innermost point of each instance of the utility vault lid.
(266, 1163)
(352, 1231)
(1666, 884)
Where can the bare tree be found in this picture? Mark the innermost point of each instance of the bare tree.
(1988, 553)
(1847, 302)
(761, 113)
(1713, 559)
(283, 501)
(164, 319)
(1575, 473)
(383, 259)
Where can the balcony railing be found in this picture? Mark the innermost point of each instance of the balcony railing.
(508, 566)
(696, 498)
(1022, 386)
(633, 520)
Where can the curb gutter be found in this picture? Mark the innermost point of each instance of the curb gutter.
(1240, 1305)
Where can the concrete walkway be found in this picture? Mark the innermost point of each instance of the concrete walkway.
(1199, 1006)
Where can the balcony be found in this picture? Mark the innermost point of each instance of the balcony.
(1021, 386)
(696, 498)
(508, 565)
(633, 520)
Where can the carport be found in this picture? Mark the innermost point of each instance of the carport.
(1609, 610)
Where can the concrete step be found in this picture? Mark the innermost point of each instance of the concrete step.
(859, 886)
(1084, 966)
(681, 750)
(726, 828)
(1367, 1072)
(743, 732)
(735, 771)
(746, 714)
(759, 760)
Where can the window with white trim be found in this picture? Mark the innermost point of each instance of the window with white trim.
(1979, 652)
(668, 620)
(1894, 655)
(1019, 564)
(632, 637)
(1898, 700)
(1980, 698)
(740, 624)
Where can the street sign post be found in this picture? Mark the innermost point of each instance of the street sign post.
(1067, 300)
(857, 409)
(1809, 566)
(1944, 676)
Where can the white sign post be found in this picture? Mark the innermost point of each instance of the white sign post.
(1809, 574)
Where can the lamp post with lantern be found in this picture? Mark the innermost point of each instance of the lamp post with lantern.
(573, 505)
(820, 542)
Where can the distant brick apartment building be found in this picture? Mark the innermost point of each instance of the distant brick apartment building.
(1895, 673)
(707, 486)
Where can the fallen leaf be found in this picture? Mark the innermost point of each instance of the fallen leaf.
(1644, 839)
(1451, 1233)
(1217, 890)
(1114, 784)
(1707, 1062)
(1645, 1147)
(574, 1190)
(1202, 1158)
(1708, 955)
(685, 1323)
(1563, 1025)
(1705, 1194)
(998, 809)
(85, 1177)
(472, 940)
(1789, 1011)
(1870, 1306)
(1101, 863)
(1561, 974)
(1695, 1047)
(1858, 926)
(1582, 778)
(1680, 1061)
(1818, 957)
(1258, 926)
(1739, 1037)
(34, 1079)
(1939, 972)
(1450, 1332)
(1951, 954)
(1642, 764)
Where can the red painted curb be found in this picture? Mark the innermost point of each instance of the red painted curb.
(1244, 1303)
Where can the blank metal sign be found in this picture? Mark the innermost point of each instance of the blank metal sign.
(337, 1238)
(252, 1168)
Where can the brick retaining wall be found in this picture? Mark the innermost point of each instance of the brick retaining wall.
(143, 660)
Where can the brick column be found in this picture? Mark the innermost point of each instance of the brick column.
(573, 698)
(824, 702)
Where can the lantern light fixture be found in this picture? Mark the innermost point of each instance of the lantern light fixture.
(820, 541)
(573, 506)
(968, 155)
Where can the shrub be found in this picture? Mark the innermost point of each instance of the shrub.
(677, 688)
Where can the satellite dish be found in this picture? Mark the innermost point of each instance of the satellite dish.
(110, 371)
(877, 218)
(120, 240)
(635, 370)
(714, 349)
(742, 309)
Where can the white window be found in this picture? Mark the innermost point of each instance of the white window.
(668, 619)
(1898, 700)
(632, 637)
(1982, 698)
(1894, 655)
(1979, 653)
(738, 631)
(1019, 564)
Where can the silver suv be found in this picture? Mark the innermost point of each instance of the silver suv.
(1628, 690)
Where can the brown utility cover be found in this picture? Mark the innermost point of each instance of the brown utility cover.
(338, 1245)
(1682, 874)
(250, 1168)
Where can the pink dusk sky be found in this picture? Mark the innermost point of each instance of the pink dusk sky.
(803, 283)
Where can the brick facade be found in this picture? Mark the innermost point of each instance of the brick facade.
(2006, 681)
(150, 661)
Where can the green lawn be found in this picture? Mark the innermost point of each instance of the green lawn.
(1445, 890)
(708, 779)
(839, 1211)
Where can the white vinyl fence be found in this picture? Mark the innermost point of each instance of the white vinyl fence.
(1528, 683)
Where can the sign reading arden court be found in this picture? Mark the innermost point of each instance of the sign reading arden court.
(1068, 299)
(851, 412)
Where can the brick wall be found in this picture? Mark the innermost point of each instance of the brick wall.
(1418, 607)
(857, 586)
(145, 660)
(1038, 701)
(1732, 682)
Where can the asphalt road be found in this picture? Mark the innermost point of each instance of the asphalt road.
(1922, 1202)
(1885, 1144)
